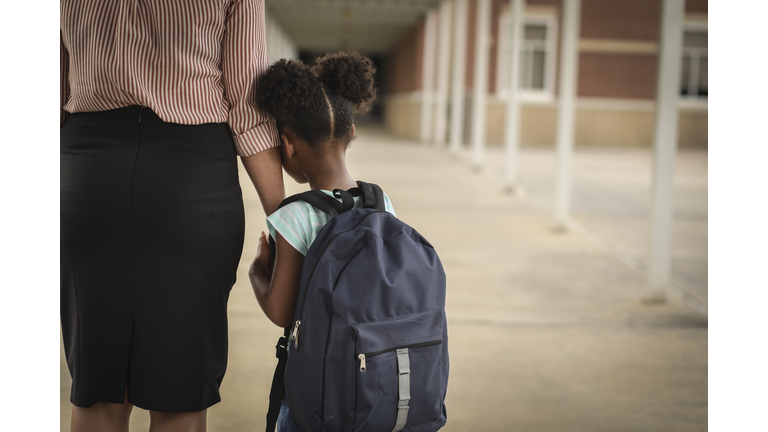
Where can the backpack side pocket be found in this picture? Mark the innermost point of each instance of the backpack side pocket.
(304, 390)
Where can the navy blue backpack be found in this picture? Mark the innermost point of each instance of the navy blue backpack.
(369, 342)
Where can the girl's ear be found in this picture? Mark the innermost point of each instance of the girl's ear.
(353, 132)
(288, 146)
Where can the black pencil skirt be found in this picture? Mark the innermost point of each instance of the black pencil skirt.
(152, 228)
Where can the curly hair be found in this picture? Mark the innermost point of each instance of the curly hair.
(319, 103)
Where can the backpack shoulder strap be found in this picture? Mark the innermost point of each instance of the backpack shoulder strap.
(277, 391)
(318, 199)
(373, 196)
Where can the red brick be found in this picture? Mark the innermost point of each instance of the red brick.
(609, 75)
(696, 6)
(403, 65)
(620, 19)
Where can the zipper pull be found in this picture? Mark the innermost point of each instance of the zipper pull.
(140, 110)
(295, 335)
(362, 362)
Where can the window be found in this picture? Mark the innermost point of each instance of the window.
(534, 54)
(693, 71)
(537, 53)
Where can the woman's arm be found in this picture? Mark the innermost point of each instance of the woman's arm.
(266, 172)
(277, 290)
(64, 80)
(243, 61)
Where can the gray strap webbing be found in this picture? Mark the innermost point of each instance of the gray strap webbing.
(404, 390)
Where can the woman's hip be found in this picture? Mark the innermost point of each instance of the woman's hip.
(129, 162)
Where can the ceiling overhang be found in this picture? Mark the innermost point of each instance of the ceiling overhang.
(368, 26)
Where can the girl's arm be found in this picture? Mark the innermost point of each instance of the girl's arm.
(277, 290)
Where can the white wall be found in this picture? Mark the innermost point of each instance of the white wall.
(279, 44)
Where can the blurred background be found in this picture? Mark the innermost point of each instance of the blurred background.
(415, 47)
(555, 154)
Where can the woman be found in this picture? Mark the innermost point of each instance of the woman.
(158, 98)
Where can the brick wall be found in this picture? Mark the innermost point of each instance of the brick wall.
(403, 62)
(621, 19)
(619, 75)
(696, 6)
(626, 76)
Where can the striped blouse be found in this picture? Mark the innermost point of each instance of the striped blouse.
(191, 61)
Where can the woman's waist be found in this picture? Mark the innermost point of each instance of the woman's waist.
(134, 125)
(180, 109)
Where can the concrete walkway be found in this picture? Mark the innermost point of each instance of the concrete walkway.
(547, 330)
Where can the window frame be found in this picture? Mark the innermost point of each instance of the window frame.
(689, 100)
(549, 21)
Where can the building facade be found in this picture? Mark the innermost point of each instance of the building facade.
(618, 49)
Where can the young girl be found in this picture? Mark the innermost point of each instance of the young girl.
(314, 108)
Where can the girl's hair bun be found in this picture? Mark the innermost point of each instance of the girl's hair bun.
(288, 85)
(349, 75)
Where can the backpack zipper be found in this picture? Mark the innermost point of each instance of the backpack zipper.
(295, 334)
(362, 356)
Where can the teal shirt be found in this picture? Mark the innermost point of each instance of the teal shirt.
(300, 222)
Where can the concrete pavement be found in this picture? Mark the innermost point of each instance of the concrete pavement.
(547, 330)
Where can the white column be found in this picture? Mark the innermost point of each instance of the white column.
(268, 37)
(503, 51)
(441, 96)
(273, 55)
(428, 77)
(566, 111)
(512, 114)
(482, 27)
(284, 45)
(665, 146)
(457, 73)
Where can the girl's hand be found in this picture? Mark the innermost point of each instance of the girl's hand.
(276, 290)
(261, 261)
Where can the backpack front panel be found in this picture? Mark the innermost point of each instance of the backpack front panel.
(402, 282)
(325, 261)
(395, 274)
(375, 289)
(305, 372)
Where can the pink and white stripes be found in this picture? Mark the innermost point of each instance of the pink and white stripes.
(191, 61)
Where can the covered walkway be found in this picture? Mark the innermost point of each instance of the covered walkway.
(547, 329)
